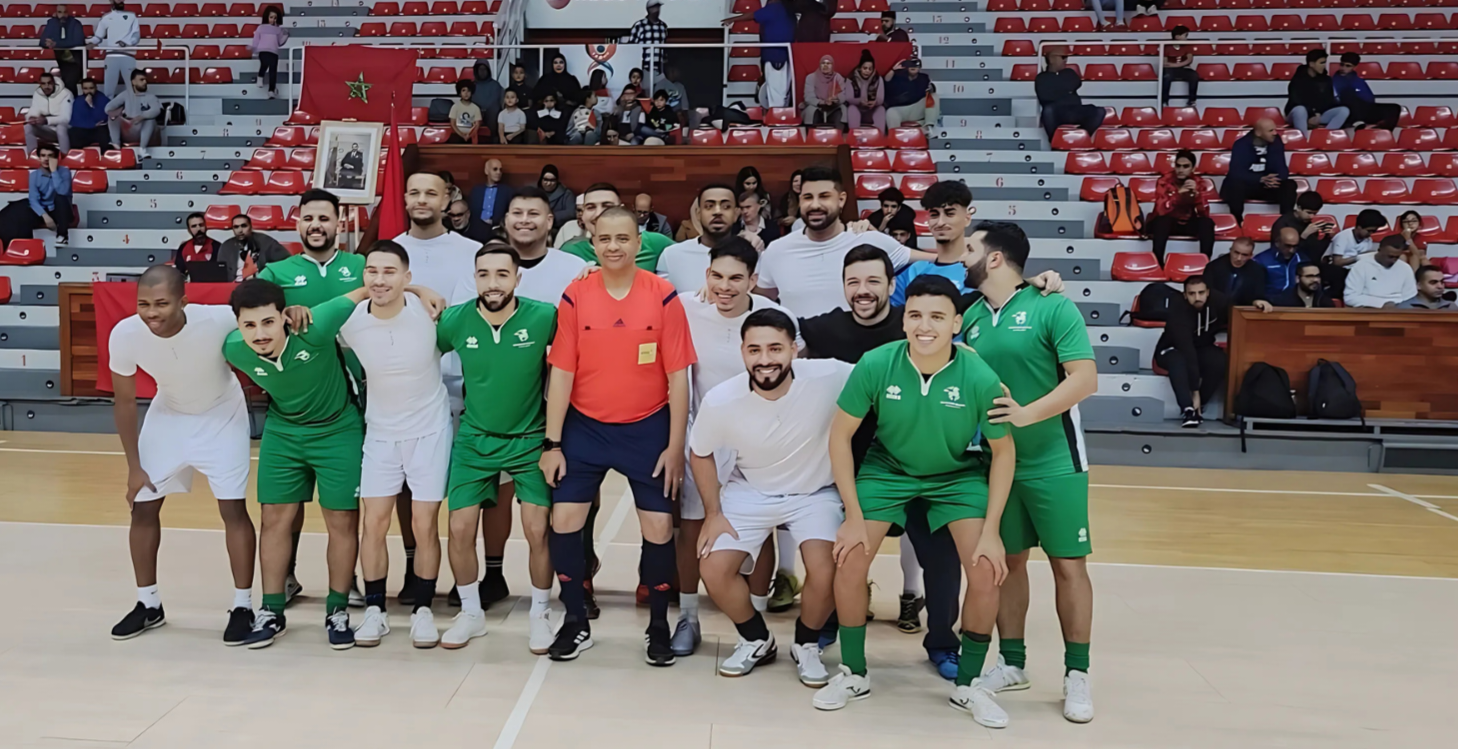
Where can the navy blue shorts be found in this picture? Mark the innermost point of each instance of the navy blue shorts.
(592, 448)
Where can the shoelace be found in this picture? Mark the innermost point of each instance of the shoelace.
(262, 619)
(1078, 688)
(339, 621)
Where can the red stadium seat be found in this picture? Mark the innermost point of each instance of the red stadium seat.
(1444, 164)
(1140, 117)
(1405, 71)
(463, 28)
(1386, 191)
(1200, 139)
(1217, 164)
(1312, 165)
(745, 136)
(217, 75)
(1434, 117)
(1131, 163)
(1010, 25)
(913, 186)
(14, 180)
(1137, 71)
(1339, 190)
(906, 137)
(235, 52)
(785, 136)
(1145, 188)
(1181, 265)
(1394, 22)
(1358, 164)
(913, 161)
(243, 183)
(1434, 192)
(415, 8)
(89, 181)
(844, 26)
(1358, 22)
(866, 137)
(825, 136)
(82, 158)
(1257, 226)
(284, 183)
(302, 159)
(403, 28)
(1134, 307)
(1113, 139)
(220, 216)
(286, 137)
(1018, 48)
(744, 74)
(1226, 227)
(1100, 72)
(1330, 140)
(1251, 23)
(1078, 25)
(1450, 268)
(1042, 25)
(1137, 266)
(1212, 24)
(5, 290)
(1223, 117)
(24, 252)
(705, 136)
(868, 186)
(124, 158)
(266, 217)
(372, 28)
(1157, 139)
(1094, 188)
(1374, 140)
(445, 8)
(1024, 72)
(1442, 71)
(782, 116)
(206, 52)
(869, 160)
(1251, 71)
(1072, 139)
(1255, 114)
(1403, 165)
(1085, 162)
(246, 10)
(1181, 117)
(433, 28)
(1319, 22)
(1424, 139)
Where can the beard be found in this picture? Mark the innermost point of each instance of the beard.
(497, 306)
(430, 220)
(821, 222)
(977, 274)
(881, 303)
(772, 382)
(309, 245)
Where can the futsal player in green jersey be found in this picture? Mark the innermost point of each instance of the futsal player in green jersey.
(931, 398)
(502, 341)
(1039, 346)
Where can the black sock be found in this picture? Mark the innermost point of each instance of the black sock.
(588, 545)
(424, 592)
(294, 560)
(410, 561)
(832, 625)
(804, 635)
(569, 561)
(658, 565)
(375, 593)
(754, 629)
(493, 566)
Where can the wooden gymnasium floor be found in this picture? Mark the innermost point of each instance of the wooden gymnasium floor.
(1234, 609)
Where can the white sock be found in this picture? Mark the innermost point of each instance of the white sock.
(910, 570)
(470, 598)
(242, 598)
(786, 544)
(688, 605)
(540, 600)
(760, 603)
(149, 596)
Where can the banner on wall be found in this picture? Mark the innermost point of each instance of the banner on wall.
(616, 61)
(846, 56)
(116, 301)
(622, 14)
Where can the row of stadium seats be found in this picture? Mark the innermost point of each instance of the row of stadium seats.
(250, 10)
(1249, 71)
(294, 136)
(223, 52)
(82, 180)
(1144, 266)
(78, 158)
(429, 28)
(1136, 117)
(1288, 22)
(838, 25)
(1209, 139)
(776, 134)
(841, 6)
(162, 31)
(1342, 190)
(1378, 190)
(1010, 6)
(1028, 48)
(265, 217)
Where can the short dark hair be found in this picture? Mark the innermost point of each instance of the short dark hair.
(137, 72)
(1418, 274)
(530, 192)
(90, 80)
(619, 210)
(1186, 154)
(1181, 30)
(46, 74)
(768, 318)
(822, 174)
(243, 216)
(254, 293)
(891, 14)
(389, 247)
(194, 215)
(1301, 266)
(316, 195)
(1393, 240)
(1007, 238)
(1371, 218)
(1351, 58)
(1196, 279)
(946, 193)
(863, 253)
(165, 275)
(661, 93)
(1316, 54)
(892, 194)
(45, 146)
(497, 247)
(736, 247)
(467, 84)
(718, 186)
(603, 187)
(1310, 200)
(931, 284)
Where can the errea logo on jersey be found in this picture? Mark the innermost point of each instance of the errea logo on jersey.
(301, 280)
(893, 393)
(303, 356)
(471, 342)
(1083, 535)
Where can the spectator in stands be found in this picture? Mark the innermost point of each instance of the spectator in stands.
(134, 114)
(490, 199)
(488, 92)
(1348, 244)
(635, 78)
(650, 31)
(1099, 6)
(754, 219)
(268, 39)
(660, 121)
(458, 217)
(1378, 280)
(789, 210)
(1181, 207)
(511, 123)
(199, 247)
(1430, 291)
(562, 200)
(678, 101)
(1234, 275)
(907, 93)
(776, 26)
(570, 230)
(1308, 291)
(627, 116)
(825, 94)
(88, 118)
(520, 86)
(547, 126)
(1187, 350)
(902, 227)
(49, 202)
(465, 115)
(562, 85)
(749, 179)
(1408, 225)
(454, 192)
(1057, 90)
(1280, 262)
(866, 95)
(1311, 101)
(583, 126)
(64, 36)
(892, 201)
(890, 32)
(648, 219)
(115, 34)
(246, 253)
(1315, 235)
(1179, 65)
(815, 15)
(1354, 94)
(49, 116)
(1258, 171)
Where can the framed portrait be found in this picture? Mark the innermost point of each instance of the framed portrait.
(348, 162)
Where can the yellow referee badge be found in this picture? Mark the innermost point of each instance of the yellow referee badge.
(647, 353)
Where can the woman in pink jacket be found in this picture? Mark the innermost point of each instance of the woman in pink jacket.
(267, 41)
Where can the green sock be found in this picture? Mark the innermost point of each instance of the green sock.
(1015, 652)
(337, 601)
(853, 648)
(274, 602)
(1075, 656)
(974, 654)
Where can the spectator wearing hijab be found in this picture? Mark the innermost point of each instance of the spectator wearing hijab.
(562, 200)
(825, 92)
(866, 95)
(557, 81)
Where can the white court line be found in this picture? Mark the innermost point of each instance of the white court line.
(1429, 506)
(518, 716)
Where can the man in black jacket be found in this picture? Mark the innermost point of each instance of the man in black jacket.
(1315, 235)
(246, 253)
(1235, 276)
(1307, 292)
(1187, 347)
(1310, 99)
(1057, 89)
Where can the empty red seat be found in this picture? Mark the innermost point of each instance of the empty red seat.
(1180, 117)
(782, 116)
(403, 28)
(1072, 139)
(1312, 165)
(825, 136)
(1200, 139)
(1358, 164)
(1423, 139)
(1019, 48)
(745, 136)
(1223, 117)
(1339, 190)
(1444, 164)
(1394, 22)
(1405, 71)
(1146, 189)
(868, 186)
(1434, 117)
(1374, 140)
(785, 136)
(1113, 139)
(1137, 71)
(1251, 71)
(870, 160)
(206, 52)
(744, 74)
(1442, 71)
(372, 28)
(1214, 163)
(14, 180)
(243, 183)
(235, 52)
(246, 10)
(1330, 140)
(1078, 25)
(866, 137)
(433, 28)
(1140, 117)
(1386, 191)
(913, 186)
(1226, 227)
(1216, 24)
(89, 181)
(1157, 139)
(414, 8)
(1010, 25)
(5, 290)
(267, 159)
(24, 252)
(1434, 192)
(286, 137)
(302, 159)
(1358, 22)
(1403, 165)
(1093, 188)
(1255, 114)
(1131, 163)
(705, 136)
(220, 216)
(82, 158)
(1085, 162)
(1181, 265)
(1137, 266)
(444, 8)
(906, 137)
(284, 183)
(1257, 226)
(266, 217)
(1024, 72)
(910, 160)
(1100, 72)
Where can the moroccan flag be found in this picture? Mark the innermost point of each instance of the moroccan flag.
(356, 83)
(390, 218)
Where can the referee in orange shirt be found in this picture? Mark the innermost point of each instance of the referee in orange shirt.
(617, 400)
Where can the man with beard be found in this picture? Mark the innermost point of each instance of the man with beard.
(247, 253)
(199, 247)
(115, 34)
(774, 420)
(684, 264)
(1307, 292)
(598, 198)
(1186, 349)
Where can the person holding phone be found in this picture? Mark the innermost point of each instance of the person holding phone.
(1316, 232)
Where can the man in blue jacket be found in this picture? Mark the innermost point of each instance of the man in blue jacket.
(65, 36)
(89, 119)
(1354, 94)
(1281, 263)
(1258, 171)
(489, 200)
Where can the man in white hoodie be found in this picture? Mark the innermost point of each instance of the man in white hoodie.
(116, 32)
(49, 117)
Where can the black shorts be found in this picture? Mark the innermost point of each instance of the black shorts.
(592, 448)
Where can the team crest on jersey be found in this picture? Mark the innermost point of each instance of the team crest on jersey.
(1020, 321)
(303, 356)
(258, 372)
(301, 280)
(973, 332)
(954, 397)
(523, 337)
(893, 393)
(344, 271)
(471, 342)
(1083, 535)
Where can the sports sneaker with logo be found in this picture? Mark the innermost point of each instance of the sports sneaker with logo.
(267, 627)
(1004, 678)
(1077, 697)
(240, 623)
(909, 621)
(375, 626)
(540, 634)
(138, 620)
(467, 626)
(976, 700)
(573, 638)
(783, 592)
(423, 632)
(807, 661)
(341, 637)
(292, 589)
(1189, 418)
(946, 662)
(686, 636)
(843, 688)
(747, 655)
(657, 647)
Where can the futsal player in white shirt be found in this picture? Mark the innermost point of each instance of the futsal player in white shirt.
(408, 434)
(197, 423)
(775, 420)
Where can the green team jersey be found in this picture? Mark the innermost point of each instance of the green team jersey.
(925, 426)
(652, 245)
(1027, 342)
(504, 368)
(306, 283)
(307, 389)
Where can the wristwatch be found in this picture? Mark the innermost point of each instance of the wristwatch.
(551, 444)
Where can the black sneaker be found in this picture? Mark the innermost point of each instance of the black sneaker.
(910, 619)
(240, 623)
(493, 589)
(138, 620)
(292, 589)
(1189, 418)
(593, 611)
(341, 637)
(573, 638)
(658, 647)
(266, 627)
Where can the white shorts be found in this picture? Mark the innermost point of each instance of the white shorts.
(424, 463)
(808, 517)
(173, 446)
(690, 502)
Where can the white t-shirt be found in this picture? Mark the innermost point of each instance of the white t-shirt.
(684, 265)
(717, 341)
(545, 281)
(439, 264)
(1346, 244)
(407, 398)
(192, 375)
(511, 121)
(808, 274)
(783, 446)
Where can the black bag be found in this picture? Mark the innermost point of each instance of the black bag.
(1331, 393)
(1154, 302)
(172, 114)
(440, 110)
(1265, 393)
(733, 115)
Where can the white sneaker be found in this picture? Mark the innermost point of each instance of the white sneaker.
(843, 687)
(977, 701)
(1077, 698)
(541, 633)
(356, 596)
(375, 626)
(1004, 678)
(748, 654)
(467, 626)
(423, 633)
(144, 153)
(807, 660)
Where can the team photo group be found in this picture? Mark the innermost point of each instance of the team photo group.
(814, 394)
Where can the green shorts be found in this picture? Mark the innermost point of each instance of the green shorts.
(290, 464)
(478, 460)
(885, 494)
(1051, 512)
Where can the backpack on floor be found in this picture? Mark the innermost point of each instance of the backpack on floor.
(1153, 303)
(1122, 214)
(1331, 393)
(1265, 393)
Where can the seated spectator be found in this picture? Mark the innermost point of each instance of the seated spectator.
(866, 95)
(611, 137)
(1057, 89)
(626, 117)
(910, 96)
(134, 114)
(465, 115)
(660, 122)
(1180, 207)
(1187, 350)
(1354, 94)
(776, 22)
(678, 100)
(1258, 171)
(825, 94)
(648, 219)
(547, 125)
(562, 85)
(902, 227)
(1315, 235)
(892, 200)
(1179, 65)
(583, 126)
(246, 253)
(520, 86)
(1234, 275)
(488, 92)
(1347, 246)
(890, 32)
(453, 192)
(1099, 6)
(491, 198)
(49, 117)
(562, 200)
(1311, 101)
(511, 124)
(1378, 280)
(1308, 291)
(1280, 262)
(750, 180)
(199, 247)
(48, 204)
(570, 230)
(789, 208)
(754, 219)
(1408, 224)
(88, 118)
(64, 36)
(1430, 291)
